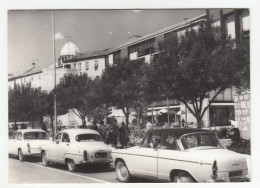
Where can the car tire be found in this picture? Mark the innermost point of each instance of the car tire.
(71, 165)
(20, 155)
(123, 174)
(183, 177)
(45, 161)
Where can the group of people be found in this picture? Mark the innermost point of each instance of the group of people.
(112, 133)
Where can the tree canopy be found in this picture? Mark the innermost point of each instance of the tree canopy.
(124, 85)
(189, 67)
(78, 94)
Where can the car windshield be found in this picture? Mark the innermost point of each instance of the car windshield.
(36, 136)
(88, 138)
(200, 141)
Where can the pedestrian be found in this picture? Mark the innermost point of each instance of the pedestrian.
(149, 126)
(102, 130)
(94, 126)
(123, 135)
(182, 123)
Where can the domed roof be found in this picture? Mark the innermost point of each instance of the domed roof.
(69, 49)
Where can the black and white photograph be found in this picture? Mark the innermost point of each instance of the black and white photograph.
(129, 95)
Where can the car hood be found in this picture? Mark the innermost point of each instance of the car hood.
(226, 160)
(95, 146)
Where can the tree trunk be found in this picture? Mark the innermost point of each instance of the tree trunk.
(84, 123)
(199, 122)
(127, 119)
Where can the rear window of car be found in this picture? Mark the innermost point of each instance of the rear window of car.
(200, 140)
(36, 136)
(88, 138)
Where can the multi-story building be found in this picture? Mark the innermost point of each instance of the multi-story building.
(227, 105)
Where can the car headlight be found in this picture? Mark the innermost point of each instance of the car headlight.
(215, 170)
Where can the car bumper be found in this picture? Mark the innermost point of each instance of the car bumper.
(95, 161)
(233, 179)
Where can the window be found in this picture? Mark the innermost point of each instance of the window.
(200, 140)
(169, 142)
(153, 140)
(88, 138)
(36, 135)
(79, 66)
(65, 138)
(143, 48)
(58, 136)
(221, 114)
(87, 65)
(15, 136)
(96, 65)
(19, 136)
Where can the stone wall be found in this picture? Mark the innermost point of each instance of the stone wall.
(242, 112)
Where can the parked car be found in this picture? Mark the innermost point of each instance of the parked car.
(27, 142)
(180, 155)
(76, 147)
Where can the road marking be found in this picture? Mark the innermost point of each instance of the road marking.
(86, 177)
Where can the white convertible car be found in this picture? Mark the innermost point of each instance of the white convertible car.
(76, 146)
(180, 155)
(27, 142)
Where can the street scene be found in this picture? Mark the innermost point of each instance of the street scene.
(138, 96)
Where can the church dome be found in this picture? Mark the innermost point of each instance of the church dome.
(69, 49)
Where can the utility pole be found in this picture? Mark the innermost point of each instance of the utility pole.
(54, 70)
(168, 115)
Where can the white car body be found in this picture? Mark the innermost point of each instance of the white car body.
(58, 151)
(29, 147)
(163, 164)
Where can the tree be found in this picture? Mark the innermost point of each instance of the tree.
(76, 93)
(26, 104)
(124, 85)
(188, 68)
(48, 108)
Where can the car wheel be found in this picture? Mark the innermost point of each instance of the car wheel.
(122, 172)
(20, 155)
(71, 165)
(183, 177)
(45, 161)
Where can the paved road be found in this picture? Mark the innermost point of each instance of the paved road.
(32, 171)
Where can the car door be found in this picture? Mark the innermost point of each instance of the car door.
(63, 146)
(53, 148)
(169, 157)
(145, 158)
(12, 144)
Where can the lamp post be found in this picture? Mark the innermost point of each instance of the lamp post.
(54, 73)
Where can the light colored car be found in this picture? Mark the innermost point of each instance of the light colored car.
(27, 142)
(180, 155)
(76, 147)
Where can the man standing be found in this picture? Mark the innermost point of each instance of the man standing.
(123, 134)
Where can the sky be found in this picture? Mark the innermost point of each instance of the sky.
(30, 31)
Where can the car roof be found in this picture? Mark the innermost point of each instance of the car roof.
(30, 130)
(79, 131)
(178, 132)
